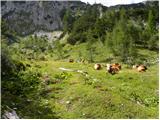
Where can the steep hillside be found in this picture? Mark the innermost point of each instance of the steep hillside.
(25, 17)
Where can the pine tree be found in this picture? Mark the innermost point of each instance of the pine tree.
(90, 48)
(150, 32)
(121, 43)
(100, 29)
(68, 21)
(151, 23)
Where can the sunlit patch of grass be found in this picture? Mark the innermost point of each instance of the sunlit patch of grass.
(128, 94)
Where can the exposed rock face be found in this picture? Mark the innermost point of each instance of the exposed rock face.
(25, 17)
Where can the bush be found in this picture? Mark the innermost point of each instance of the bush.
(153, 43)
(24, 83)
(78, 37)
(63, 76)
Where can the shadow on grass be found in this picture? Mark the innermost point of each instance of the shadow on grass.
(28, 108)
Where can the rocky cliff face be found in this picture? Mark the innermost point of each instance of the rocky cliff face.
(25, 17)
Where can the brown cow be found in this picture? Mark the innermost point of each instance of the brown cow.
(141, 68)
(113, 68)
(97, 66)
(117, 65)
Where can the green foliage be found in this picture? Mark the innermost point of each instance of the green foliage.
(90, 48)
(23, 84)
(58, 50)
(8, 34)
(134, 25)
(68, 20)
(121, 40)
(38, 44)
(118, 31)
(86, 21)
(62, 76)
(151, 23)
(153, 43)
(14, 77)
(152, 38)
(7, 64)
(76, 38)
(109, 20)
(100, 29)
(82, 25)
(135, 31)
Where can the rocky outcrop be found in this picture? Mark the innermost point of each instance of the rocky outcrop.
(25, 17)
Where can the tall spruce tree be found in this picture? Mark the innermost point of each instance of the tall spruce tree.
(90, 48)
(151, 23)
(68, 21)
(152, 37)
(100, 29)
(121, 40)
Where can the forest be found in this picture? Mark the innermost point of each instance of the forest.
(43, 78)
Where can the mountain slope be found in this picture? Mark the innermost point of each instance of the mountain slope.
(27, 17)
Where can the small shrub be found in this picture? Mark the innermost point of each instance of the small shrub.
(73, 38)
(63, 76)
(24, 83)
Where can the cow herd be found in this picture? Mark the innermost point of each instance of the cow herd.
(111, 68)
(115, 67)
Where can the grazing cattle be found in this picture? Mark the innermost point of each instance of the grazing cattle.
(71, 60)
(117, 65)
(141, 68)
(113, 68)
(97, 66)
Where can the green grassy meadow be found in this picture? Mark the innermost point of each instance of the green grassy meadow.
(128, 94)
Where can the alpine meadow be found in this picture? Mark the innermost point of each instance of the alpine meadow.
(74, 60)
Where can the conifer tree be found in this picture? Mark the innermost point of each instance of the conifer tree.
(151, 23)
(152, 39)
(121, 42)
(90, 48)
(68, 21)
